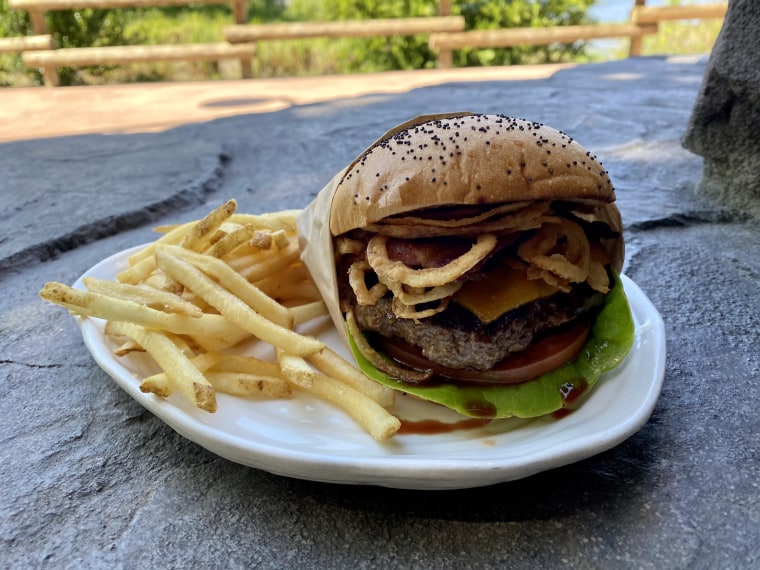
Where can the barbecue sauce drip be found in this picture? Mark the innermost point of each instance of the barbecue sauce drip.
(435, 427)
(571, 392)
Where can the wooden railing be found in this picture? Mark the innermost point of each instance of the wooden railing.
(644, 20)
(643, 15)
(25, 43)
(446, 33)
(49, 59)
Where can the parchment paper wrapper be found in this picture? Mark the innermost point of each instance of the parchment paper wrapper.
(316, 241)
(317, 251)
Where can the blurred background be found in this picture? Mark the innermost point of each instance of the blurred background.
(146, 25)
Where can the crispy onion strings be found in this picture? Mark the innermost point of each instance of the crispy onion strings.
(559, 247)
(415, 296)
(356, 279)
(597, 272)
(389, 271)
(403, 311)
(345, 246)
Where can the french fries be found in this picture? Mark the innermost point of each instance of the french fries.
(180, 371)
(233, 309)
(367, 412)
(203, 287)
(149, 296)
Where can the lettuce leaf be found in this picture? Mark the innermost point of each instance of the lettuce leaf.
(610, 339)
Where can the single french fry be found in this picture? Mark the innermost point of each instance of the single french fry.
(267, 239)
(286, 276)
(164, 228)
(249, 385)
(184, 376)
(272, 263)
(153, 298)
(220, 332)
(229, 226)
(138, 271)
(231, 241)
(295, 369)
(162, 282)
(160, 384)
(261, 239)
(234, 309)
(373, 417)
(247, 256)
(215, 344)
(308, 311)
(284, 291)
(281, 238)
(332, 364)
(237, 285)
(184, 345)
(283, 220)
(247, 365)
(201, 232)
(127, 347)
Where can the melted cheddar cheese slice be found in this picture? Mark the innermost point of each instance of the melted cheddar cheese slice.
(504, 289)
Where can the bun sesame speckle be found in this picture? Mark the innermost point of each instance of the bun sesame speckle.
(465, 159)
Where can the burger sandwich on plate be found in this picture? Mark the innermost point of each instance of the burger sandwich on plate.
(474, 262)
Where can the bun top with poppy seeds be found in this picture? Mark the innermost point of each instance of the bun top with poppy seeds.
(464, 160)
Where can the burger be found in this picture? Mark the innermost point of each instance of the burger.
(477, 261)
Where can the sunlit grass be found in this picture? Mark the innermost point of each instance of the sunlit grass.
(672, 38)
(685, 37)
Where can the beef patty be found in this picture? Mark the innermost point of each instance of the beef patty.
(456, 338)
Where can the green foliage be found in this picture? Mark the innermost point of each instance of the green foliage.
(412, 52)
(15, 23)
(69, 28)
(82, 28)
(483, 15)
(371, 54)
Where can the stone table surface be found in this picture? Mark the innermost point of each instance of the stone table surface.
(93, 480)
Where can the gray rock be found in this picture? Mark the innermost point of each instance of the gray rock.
(92, 480)
(725, 124)
(55, 188)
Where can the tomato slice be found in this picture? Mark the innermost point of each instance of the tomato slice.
(546, 354)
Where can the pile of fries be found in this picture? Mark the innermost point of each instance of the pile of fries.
(205, 286)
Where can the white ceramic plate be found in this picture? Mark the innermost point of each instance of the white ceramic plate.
(307, 438)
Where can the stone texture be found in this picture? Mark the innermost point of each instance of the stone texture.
(93, 480)
(725, 124)
(56, 191)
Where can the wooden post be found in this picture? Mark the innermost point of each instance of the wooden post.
(50, 75)
(240, 14)
(37, 18)
(636, 41)
(445, 56)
